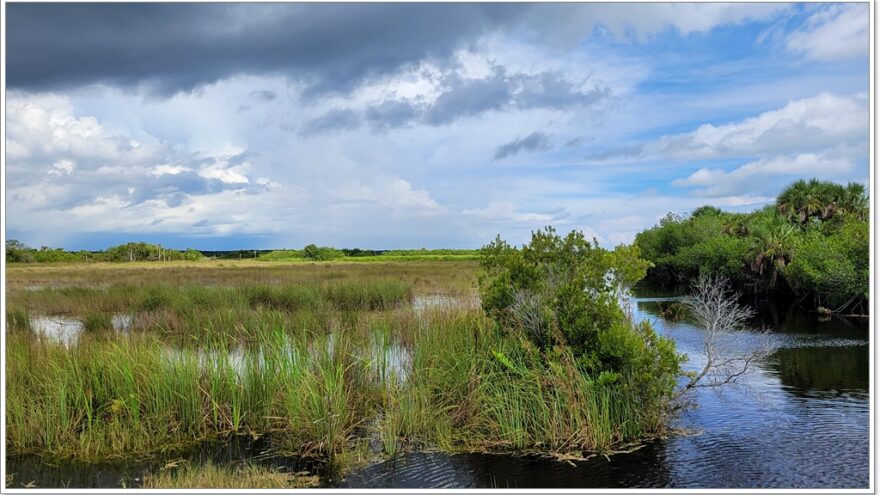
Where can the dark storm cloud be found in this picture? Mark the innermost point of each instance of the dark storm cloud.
(536, 141)
(461, 98)
(334, 120)
(392, 113)
(470, 97)
(177, 47)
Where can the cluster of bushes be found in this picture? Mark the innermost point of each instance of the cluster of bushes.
(812, 243)
(18, 252)
(561, 297)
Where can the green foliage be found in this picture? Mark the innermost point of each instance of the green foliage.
(706, 210)
(315, 253)
(18, 252)
(97, 321)
(814, 201)
(835, 268)
(564, 293)
(812, 242)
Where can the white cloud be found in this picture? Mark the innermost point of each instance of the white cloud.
(40, 127)
(167, 169)
(770, 173)
(74, 175)
(400, 193)
(812, 123)
(835, 32)
(62, 167)
(509, 211)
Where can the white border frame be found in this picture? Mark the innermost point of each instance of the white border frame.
(872, 303)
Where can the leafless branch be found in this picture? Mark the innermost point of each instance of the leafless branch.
(729, 349)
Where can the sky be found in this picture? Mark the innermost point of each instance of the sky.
(263, 126)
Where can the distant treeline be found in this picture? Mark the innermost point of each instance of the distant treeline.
(323, 253)
(18, 252)
(812, 244)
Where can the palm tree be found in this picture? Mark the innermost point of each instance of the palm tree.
(771, 249)
(789, 201)
(854, 200)
(806, 200)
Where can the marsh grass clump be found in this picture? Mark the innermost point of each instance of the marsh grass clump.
(212, 476)
(121, 396)
(156, 298)
(284, 298)
(375, 295)
(17, 320)
(97, 321)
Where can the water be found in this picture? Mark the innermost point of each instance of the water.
(801, 420)
(31, 470)
(67, 330)
(59, 328)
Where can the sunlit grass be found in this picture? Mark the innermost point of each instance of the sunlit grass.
(211, 476)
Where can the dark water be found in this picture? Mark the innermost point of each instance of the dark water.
(801, 420)
(30, 469)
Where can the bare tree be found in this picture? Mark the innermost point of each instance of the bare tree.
(730, 351)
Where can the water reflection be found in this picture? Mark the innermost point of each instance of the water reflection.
(822, 368)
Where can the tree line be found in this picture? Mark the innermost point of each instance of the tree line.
(19, 252)
(812, 243)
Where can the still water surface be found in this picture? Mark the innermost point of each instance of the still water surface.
(801, 421)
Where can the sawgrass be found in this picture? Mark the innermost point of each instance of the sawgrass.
(319, 361)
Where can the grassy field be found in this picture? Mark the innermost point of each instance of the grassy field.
(320, 357)
(427, 277)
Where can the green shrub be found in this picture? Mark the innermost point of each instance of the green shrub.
(834, 269)
(315, 253)
(565, 291)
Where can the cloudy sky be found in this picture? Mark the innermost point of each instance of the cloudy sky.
(405, 126)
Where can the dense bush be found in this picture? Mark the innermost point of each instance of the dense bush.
(833, 269)
(315, 253)
(565, 292)
(813, 243)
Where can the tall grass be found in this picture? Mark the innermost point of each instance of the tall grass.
(317, 365)
(343, 295)
(110, 397)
